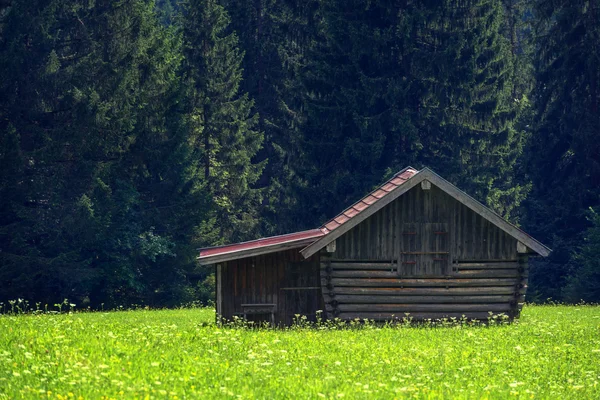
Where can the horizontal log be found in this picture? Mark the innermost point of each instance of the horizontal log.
(403, 308)
(386, 265)
(364, 266)
(416, 316)
(486, 265)
(451, 282)
(465, 291)
(352, 261)
(493, 273)
(373, 299)
(364, 274)
(499, 273)
(419, 253)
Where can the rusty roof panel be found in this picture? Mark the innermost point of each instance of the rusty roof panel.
(361, 205)
(351, 212)
(340, 219)
(379, 193)
(397, 181)
(264, 242)
(331, 225)
(388, 187)
(369, 200)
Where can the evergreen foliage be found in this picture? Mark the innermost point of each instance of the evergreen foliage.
(222, 126)
(276, 36)
(422, 84)
(584, 280)
(133, 132)
(98, 185)
(564, 153)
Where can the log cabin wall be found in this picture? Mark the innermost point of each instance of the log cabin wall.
(284, 279)
(428, 255)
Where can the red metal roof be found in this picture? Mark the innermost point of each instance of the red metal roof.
(369, 200)
(302, 237)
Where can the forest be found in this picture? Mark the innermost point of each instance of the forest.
(133, 132)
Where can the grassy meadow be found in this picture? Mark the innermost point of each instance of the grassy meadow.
(553, 352)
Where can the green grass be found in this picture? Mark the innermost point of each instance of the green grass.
(552, 352)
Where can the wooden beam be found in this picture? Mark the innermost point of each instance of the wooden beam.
(366, 299)
(219, 290)
(418, 316)
(425, 291)
(466, 273)
(330, 247)
(402, 308)
(490, 265)
(521, 248)
(386, 265)
(415, 282)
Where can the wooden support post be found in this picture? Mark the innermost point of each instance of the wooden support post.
(219, 292)
(522, 286)
(331, 247)
(327, 289)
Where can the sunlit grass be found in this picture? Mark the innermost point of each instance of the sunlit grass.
(552, 352)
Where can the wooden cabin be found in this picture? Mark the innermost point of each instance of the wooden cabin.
(417, 247)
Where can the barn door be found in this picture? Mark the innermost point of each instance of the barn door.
(301, 292)
(425, 249)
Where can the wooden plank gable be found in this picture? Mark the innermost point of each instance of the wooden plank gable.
(427, 175)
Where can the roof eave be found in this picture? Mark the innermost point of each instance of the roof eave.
(236, 255)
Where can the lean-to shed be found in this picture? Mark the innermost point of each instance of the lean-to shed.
(416, 246)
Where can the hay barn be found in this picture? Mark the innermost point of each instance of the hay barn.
(416, 246)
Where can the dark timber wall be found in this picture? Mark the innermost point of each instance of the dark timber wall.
(428, 255)
(284, 279)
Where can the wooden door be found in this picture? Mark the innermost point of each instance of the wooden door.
(425, 249)
(301, 291)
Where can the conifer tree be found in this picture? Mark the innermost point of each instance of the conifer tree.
(221, 123)
(83, 93)
(564, 151)
(420, 83)
(275, 36)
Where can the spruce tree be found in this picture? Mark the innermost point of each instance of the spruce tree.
(221, 123)
(467, 113)
(583, 282)
(89, 215)
(564, 148)
(275, 36)
(390, 85)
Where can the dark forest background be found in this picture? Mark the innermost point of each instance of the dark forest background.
(133, 132)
